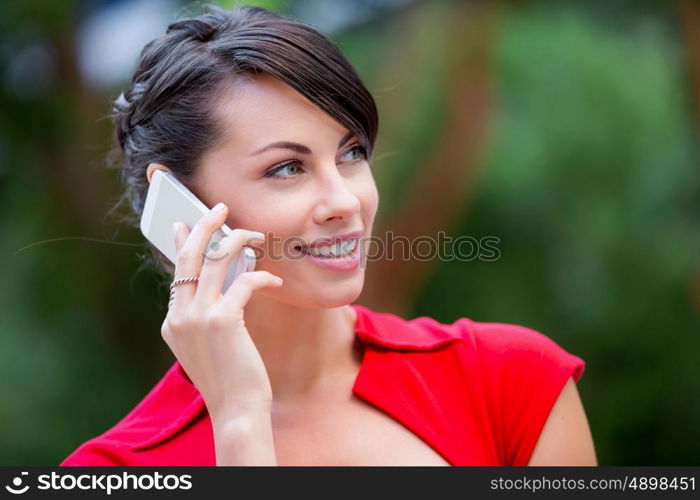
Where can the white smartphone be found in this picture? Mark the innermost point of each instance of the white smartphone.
(168, 201)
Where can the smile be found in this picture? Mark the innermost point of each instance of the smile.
(339, 249)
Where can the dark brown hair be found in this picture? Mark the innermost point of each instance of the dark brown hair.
(166, 115)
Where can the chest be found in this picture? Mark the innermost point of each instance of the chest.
(348, 432)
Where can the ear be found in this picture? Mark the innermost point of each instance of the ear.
(153, 167)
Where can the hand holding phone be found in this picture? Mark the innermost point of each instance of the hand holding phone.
(207, 332)
(169, 201)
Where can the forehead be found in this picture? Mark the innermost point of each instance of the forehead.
(255, 111)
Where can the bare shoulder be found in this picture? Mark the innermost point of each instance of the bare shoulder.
(566, 437)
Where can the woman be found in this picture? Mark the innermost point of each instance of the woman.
(263, 119)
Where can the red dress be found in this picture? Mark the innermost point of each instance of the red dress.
(477, 393)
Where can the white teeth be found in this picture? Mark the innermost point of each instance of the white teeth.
(350, 245)
(335, 250)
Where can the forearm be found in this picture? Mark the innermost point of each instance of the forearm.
(244, 440)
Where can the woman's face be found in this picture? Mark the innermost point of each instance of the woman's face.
(294, 196)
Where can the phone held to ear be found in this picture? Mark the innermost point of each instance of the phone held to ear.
(167, 202)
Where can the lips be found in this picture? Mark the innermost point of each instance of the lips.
(345, 263)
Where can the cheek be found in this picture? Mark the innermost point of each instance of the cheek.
(370, 201)
(277, 221)
(258, 215)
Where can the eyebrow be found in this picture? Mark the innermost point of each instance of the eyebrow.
(295, 146)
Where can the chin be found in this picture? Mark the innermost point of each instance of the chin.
(327, 298)
(336, 298)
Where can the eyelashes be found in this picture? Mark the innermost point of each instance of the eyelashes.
(295, 162)
(299, 163)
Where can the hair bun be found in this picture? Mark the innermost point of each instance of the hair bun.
(124, 110)
(126, 101)
(121, 104)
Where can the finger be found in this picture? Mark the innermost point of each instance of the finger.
(217, 264)
(189, 255)
(238, 294)
(180, 233)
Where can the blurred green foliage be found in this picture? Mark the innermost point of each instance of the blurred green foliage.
(588, 177)
(590, 180)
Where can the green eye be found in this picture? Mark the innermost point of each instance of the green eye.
(273, 172)
(358, 149)
(297, 164)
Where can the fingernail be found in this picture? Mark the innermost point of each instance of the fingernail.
(256, 234)
(176, 228)
(218, 207)
(279, 280)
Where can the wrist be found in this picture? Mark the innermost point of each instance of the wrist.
(244, 440)
(233, 424)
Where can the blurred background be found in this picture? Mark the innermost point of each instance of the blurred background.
(566, 129)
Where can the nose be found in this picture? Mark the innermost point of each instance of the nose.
(337, 200)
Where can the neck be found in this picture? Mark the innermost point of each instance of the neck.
(303, 349)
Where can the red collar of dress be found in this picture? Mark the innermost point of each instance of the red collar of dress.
(174, 402)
